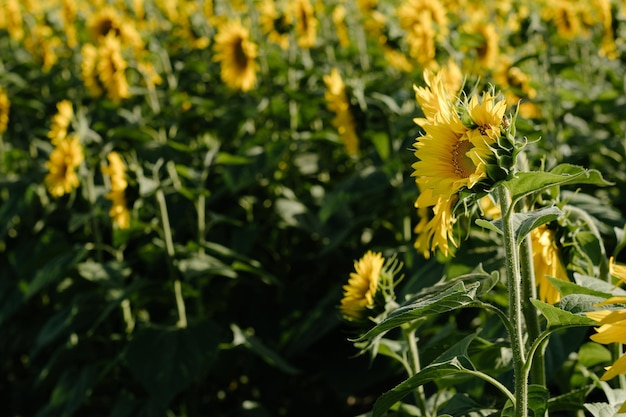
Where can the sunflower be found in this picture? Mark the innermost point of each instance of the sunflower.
(276, 25)
(337, 101)
(425, 23)
(612, 330)
(565, 16)
(305, 22)
(236, 53)
(485, 51)
(107, 22)
(358, 294)
(64, 159)
(111, 68)
(14, 23)
(116, 170)
(61, 121)
(547, 263)
(452, 155)
(339, 19)
(88, 63)
(5, 105)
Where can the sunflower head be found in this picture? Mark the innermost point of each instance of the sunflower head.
(369, 291)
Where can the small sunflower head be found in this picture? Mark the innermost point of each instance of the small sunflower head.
(369, 291)
(492, 132)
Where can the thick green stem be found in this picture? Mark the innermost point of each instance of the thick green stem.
(514, 284)
(537, 370)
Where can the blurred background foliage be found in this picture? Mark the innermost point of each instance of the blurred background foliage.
(247, 205)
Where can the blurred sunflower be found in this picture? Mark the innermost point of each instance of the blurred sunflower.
(68, 14)
(564, 15)
(111, 69)
(43, 44)
(13, 22)
(61, 121)
(547, 262)
(274, 24)
(305, 22)
(453, 155)
(339, 19)
(116, 170)
(337, 101)
(484, 50)
(5, 106)
(236, 53)
(88, 63)
(612, 330)
(516, 85)
(617, 270)
(425, 23)
(106, 22)
(64, 159)
(359, 293)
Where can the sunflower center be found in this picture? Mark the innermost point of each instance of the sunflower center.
(463, 165)
(241, 59)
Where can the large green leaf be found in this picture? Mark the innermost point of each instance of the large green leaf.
(524, 222)
(572, 400)
(166, 360)
(525, 183)
(558, 318)
(457, 296)
(454, 361)
(593, 286)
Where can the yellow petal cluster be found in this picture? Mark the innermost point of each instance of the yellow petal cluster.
(5, 106)
(612, 329)
(116, 170)
(359, 293)
(337, 101)
(64, 159)
(451, 155)
(236, 54)
(104, 69)
(547, 262)
(305, 22)
(61, 121)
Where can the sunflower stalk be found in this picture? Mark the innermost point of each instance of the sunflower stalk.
(415, 365)
(514, 284)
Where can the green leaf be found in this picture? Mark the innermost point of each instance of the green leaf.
(558, 318)
(572, 400)
(491, 225)
(166, 360)
(255, 345)
(525, 222)
(53, 271)
(525, 183)
(429, 373)
(70, 391)
(601, 286)
(538, 396)
(580, 303)
(454, 361)
(454, 297)
(596, 289)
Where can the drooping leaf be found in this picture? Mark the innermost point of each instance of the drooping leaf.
(559, 318)
(270, 356)
(454, 297)
(572, 400)
(593, 288)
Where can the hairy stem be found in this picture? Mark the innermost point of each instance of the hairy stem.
(514, 284)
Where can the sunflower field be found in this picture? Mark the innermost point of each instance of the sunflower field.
(304, 208)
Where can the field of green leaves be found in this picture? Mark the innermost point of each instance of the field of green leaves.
(187, 186)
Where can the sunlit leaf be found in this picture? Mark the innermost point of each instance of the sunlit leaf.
(560, 318)
(455, 297)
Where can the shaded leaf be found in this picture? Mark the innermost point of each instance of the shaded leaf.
(167, 360)
(255, 345)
